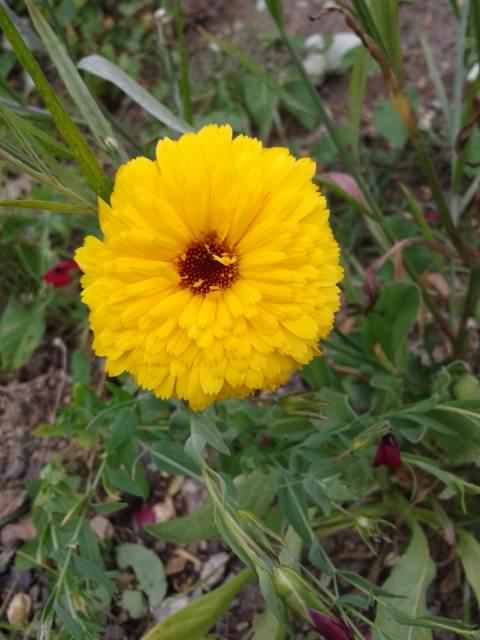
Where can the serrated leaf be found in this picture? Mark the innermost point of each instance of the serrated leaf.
(411, 577)
(148, 569)
(194, 621)
(103, 68)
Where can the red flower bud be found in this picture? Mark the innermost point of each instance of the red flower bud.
(59, 275)
(432, 217)
(388, 453)
(144, 516)
(330, 628)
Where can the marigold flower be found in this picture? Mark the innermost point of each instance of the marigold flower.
(388, 453)
(60, 274)
(217, 273)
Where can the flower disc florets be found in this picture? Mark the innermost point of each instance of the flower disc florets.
(217, 272)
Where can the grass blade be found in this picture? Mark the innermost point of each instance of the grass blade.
(358, 86)
(48, 205)
(103, 68)
(86, 159)
(81, 96)
(437, 82)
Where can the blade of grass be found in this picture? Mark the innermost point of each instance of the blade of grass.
(86, 159)
(368, 22)
(184, 81)
(475, 25)
(48, 205)
(81, 96)
(358, 87)
(387, 18)
(103, 68)
(437, 83)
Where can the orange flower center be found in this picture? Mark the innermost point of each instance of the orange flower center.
(207, 266)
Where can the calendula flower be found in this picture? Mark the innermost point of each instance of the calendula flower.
(217, 273)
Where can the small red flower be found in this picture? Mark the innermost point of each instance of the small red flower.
(388, 453)
(60, 274)
(330, 628)
(144, 516)
(432, 217)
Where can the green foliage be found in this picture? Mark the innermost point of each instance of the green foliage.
(291, 465)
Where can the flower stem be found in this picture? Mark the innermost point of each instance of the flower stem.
(184, 83)
(471, 300)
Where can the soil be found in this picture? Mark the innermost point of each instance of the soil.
(36, 394)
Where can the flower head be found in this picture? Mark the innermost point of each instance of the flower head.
(60, 274)
(330, 628)
(388, 453)
(217, 272)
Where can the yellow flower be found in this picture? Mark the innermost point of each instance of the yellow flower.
(217, 273)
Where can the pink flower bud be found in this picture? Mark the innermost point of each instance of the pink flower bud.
(388, 453)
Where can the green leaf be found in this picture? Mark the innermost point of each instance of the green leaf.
(468, 549)
(148, 569)
(21, 331)
(103, 68)
(123, 428)
(80, 365)
(134, 603)
(135, 484)
(203, 427)
(194, 621)
(391, 321)
(293, 503)
(275, 8)
(261, 99)
(411, 577)
(388, 123)
(86, 159)
(86, 104)
(267, 627)
(172, 458)
(48, 205)
(255, 494)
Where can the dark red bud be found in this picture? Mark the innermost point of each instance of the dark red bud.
(432, 217)
(60, 274)
(388, 453)
(144, 516)
(330, 628)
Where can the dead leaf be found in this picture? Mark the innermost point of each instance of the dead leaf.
(102, 527)
(164, 510)
(10, 501)
(19, 610)
(438, 282)
(19, 532)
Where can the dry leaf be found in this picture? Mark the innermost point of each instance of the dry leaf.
(102, 527)
(19, 532)
(19, 610)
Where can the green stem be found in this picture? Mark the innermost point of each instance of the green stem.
(184, 83)
(384, 236)
(471, 300)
